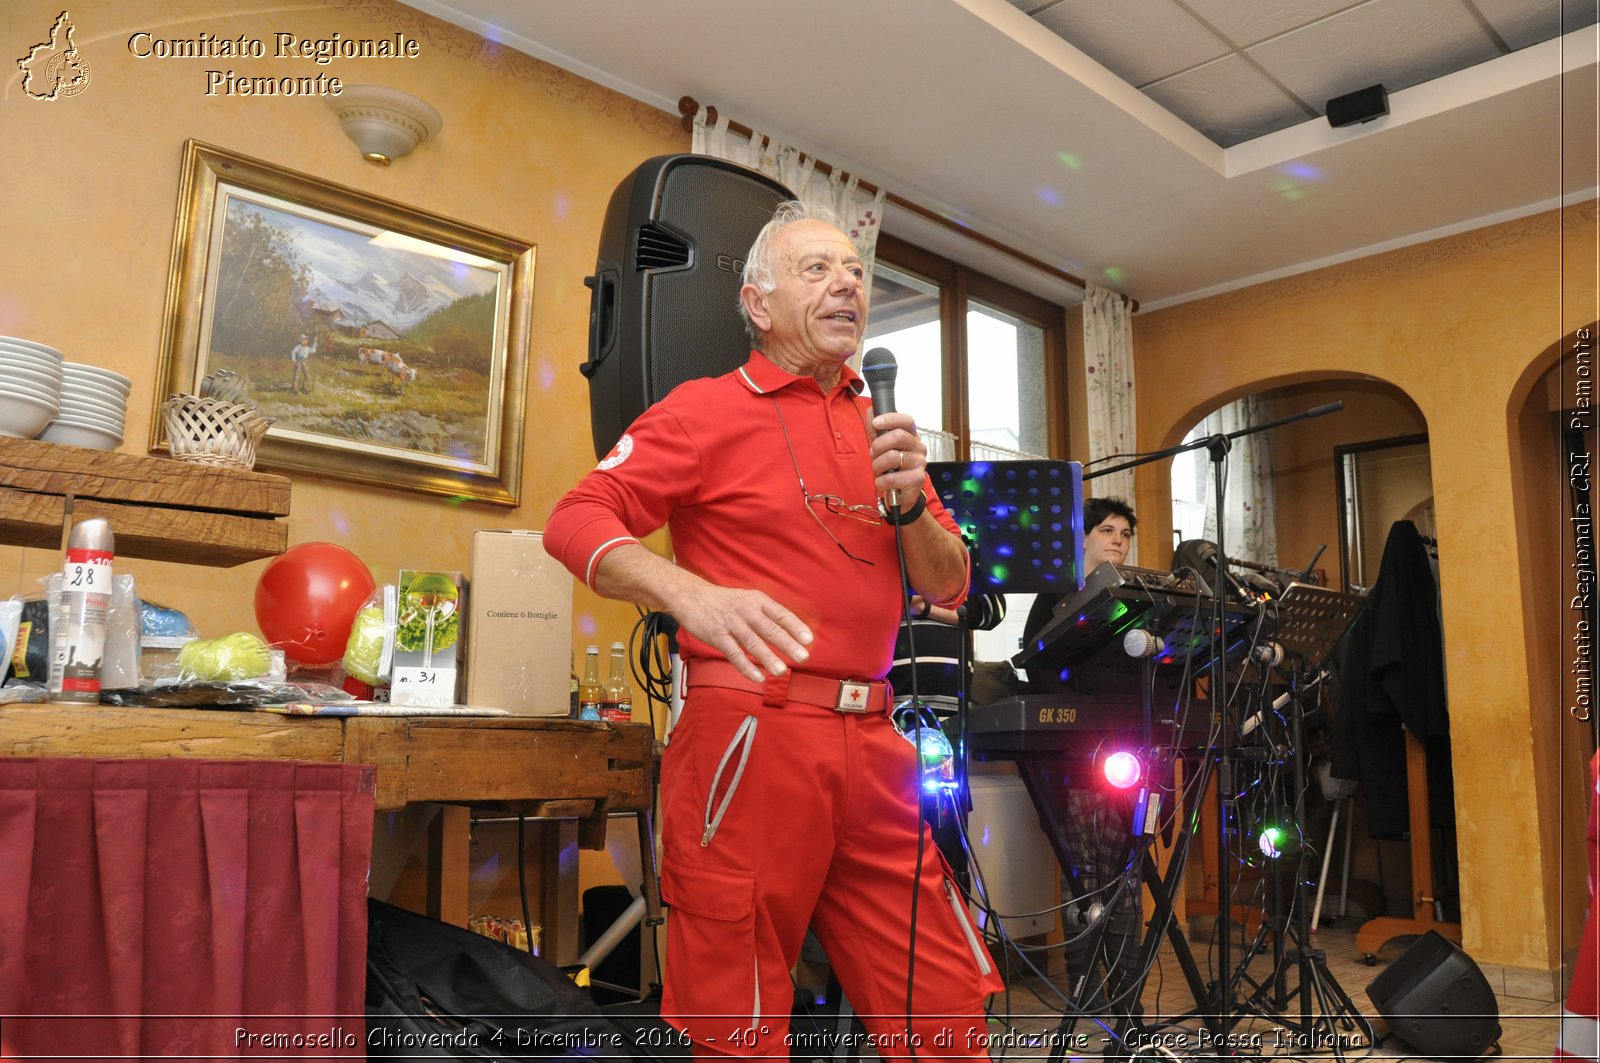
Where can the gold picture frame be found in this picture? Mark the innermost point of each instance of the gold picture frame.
(388, 344)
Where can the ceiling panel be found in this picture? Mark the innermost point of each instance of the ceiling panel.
(1228, 100)
(1398, 43)
(1138, 40)
(975, 111)
(1524, 22)
(1247, 22)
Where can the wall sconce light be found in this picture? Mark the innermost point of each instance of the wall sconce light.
(384, 123)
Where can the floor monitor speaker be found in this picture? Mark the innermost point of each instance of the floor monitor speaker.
(1436, 1000)
(664, 298)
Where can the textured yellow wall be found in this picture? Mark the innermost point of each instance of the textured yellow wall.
(1458, 326)
(89, 198)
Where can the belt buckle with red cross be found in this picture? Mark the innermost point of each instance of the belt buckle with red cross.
(853, 696)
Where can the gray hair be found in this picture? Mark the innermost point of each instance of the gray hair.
(760, 270)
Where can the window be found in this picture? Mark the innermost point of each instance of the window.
(1007, 395)
(980, 369)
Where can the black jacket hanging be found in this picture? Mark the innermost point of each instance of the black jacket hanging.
(1391, 681)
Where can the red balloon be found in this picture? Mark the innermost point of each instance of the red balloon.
(307, 599)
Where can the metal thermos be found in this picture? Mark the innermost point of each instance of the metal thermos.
(79, 639)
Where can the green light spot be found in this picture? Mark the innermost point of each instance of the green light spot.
(1114, 273)
(1069, 160)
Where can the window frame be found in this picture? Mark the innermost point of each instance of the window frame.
(957, 285)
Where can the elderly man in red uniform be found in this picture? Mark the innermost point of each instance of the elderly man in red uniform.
(788, 798)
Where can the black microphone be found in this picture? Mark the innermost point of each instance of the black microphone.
(1305, 573)
(878, 368)
(1207, 553)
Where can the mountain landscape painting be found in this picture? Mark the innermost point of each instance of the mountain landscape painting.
(359, 337)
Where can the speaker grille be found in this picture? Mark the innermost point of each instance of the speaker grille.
(694, 325)
(659, 249)
(666, 283)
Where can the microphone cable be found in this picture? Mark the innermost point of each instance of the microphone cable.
(916, 742)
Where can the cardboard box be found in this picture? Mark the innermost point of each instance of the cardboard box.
(426, 657)
(519, 636)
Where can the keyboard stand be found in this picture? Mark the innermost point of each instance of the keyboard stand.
(1046, 783)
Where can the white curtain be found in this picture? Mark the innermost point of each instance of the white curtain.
(861, 214)
(1108, 385)
(1249, 525)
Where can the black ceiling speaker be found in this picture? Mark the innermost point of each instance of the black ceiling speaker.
(1436, 1000)
(664, 298)
(1363, 105)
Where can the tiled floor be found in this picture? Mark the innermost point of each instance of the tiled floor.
(1031, 1029)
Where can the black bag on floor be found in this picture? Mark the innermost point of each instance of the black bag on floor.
(436, 991)
(650, 1039)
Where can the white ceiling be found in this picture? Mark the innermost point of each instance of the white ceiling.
(1090, 133)
(1239, 69)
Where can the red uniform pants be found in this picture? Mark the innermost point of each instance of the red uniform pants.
(776, 818)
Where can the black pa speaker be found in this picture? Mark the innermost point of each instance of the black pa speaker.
(664, 298)
(1363, 105)
(1436, 1000)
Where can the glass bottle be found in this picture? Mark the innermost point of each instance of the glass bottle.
(590, 691)
(572, 673)
(617, 703)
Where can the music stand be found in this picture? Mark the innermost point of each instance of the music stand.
(1022, 522)
(1311, 621)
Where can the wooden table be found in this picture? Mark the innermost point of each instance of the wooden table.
(551, 768)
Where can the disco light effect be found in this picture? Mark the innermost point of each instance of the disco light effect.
(934, 750)
(1122, 770)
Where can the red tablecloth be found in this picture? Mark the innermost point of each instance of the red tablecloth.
(206, 909)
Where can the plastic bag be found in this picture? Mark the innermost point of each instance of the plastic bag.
(248, 693)
(230, 659)
(119, 665)
(369, 653)
(10, 618)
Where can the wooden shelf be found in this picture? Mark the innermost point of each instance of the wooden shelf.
(160, 509)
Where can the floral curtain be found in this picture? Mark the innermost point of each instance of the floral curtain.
(1108, 383)
(861, 214)
(1249, 529)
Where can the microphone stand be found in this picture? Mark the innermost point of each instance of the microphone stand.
(1217, 446)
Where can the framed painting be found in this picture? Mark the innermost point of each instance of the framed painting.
(388, 345)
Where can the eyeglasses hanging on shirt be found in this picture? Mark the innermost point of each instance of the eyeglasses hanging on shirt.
(832, 503)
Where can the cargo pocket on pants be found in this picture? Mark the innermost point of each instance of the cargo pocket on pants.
(988, 978)
(712, 967)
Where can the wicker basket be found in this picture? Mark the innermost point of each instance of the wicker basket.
(213, 431)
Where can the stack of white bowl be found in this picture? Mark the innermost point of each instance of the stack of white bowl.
(94, 408)
(30, 386)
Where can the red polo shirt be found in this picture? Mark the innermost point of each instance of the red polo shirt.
(712, 462)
